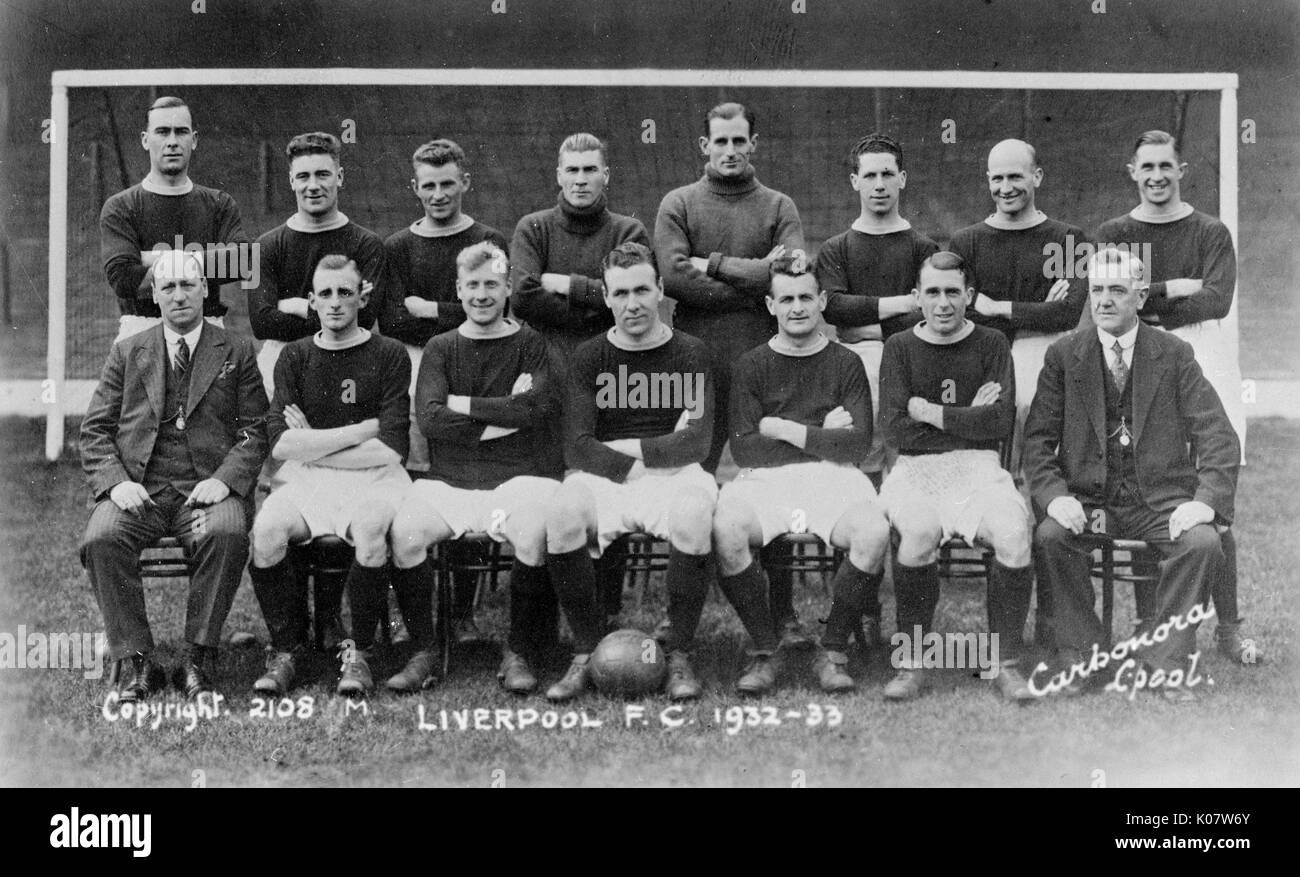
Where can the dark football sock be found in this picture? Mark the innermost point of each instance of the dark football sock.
(852, 588)
(414, 588)
(367, 591)
(688, 587)
(574, 578)
(530, 591)
(747, 592)
(916, 595)
(282, 597)
(780, 582)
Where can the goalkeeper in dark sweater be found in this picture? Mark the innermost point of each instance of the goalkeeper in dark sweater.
(947, 402)
(800, 423)
(483, 398)
(637, 423)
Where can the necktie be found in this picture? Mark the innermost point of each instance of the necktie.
(182, 356)
(1118, 369)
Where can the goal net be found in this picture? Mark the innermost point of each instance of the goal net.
(510, 123)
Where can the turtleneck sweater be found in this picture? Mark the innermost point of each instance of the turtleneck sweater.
(733, 223)
(574, 241)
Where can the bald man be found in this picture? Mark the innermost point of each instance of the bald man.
(1022, 261)
(171, 445)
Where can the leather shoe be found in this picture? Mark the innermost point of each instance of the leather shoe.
(907, 684)
(573, 683)
(1228, 640)
(515, 675)
(760, 676)
(137, 683)
(416, 675)
(682, 684)
(195, 679)
(832, 673)
(1011, 683)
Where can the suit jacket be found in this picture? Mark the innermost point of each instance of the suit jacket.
(225, 416)
(1184, 446)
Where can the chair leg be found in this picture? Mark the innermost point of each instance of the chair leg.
(443, 615)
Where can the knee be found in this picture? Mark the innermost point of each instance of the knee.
(691, 526)
(1051, 535)
(1202, 541)
(410, 537)
(566, 521)
(917, 539)
(731, 537)
(868, 530)
(526, 531)
(270, 532)
(1010, 539)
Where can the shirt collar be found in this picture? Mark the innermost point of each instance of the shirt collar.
(191, 337)
(1126, 341)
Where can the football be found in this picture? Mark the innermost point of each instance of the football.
(628, 663)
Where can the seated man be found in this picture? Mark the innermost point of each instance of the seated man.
(340, 421)
(1117, 407)
(483, 399)
(947, 402)
(172, 443)
(800, 425)
(637, 424)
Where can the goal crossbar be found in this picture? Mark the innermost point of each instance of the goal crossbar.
(62, 80)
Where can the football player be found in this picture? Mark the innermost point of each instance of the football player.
(167, 210)
(638, 421)
(947, 400)
(800, 424)
(339, 421)
(483, 397)
(1193, 277)
(279, 308)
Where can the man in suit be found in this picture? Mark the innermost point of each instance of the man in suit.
(172, 444)
(1126, 434)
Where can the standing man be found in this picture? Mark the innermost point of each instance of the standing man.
(868, 273)
(801, 422)
(715, 240)
(1193, 278)
(172, 443)
(1018, 256)
(636, 458)
(167, 210)
(1118, 405)
(947, 403)
(556, 253)
(278, 308)
(420, 261)
(339, 420)
(485, 396)
(558, 284)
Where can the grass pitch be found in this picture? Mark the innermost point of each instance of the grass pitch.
(53, 728)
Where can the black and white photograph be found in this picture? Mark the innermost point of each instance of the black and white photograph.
(589, 393)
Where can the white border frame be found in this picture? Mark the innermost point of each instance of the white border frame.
(61, 80)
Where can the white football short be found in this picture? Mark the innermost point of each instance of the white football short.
(326, 497)
(957, 486)
(483, 511)
(800, 497)
(642, 506)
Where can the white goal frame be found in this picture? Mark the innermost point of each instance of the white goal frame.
(62, 80)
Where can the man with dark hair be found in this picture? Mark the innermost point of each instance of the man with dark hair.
(278, 308)
(1193, 278)
(947, 403)
(715, 240)
(484, 397)
(339, 421)
(420, 263)
(167, 210)
(868, 273)
(637, 424)
(800, 423)
(1118, 408)
(171, 443)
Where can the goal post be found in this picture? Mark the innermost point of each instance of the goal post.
(62, 81)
